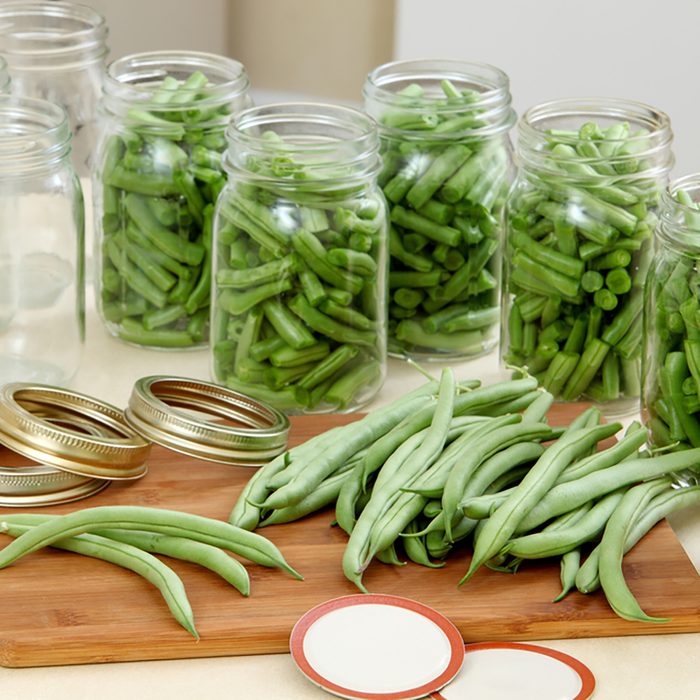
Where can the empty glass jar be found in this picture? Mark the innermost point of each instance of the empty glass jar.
(56, 51)
(42, 297)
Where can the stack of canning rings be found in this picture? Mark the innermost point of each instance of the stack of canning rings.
(81, 444)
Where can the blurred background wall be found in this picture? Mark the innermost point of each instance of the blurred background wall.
(637, 49)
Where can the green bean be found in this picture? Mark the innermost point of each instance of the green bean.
(355, 557)
(432, 482)
(325, 494)
(133, 331)
(314, 255)
(127, 556)
(504, 522)
(247, 544)
(661, 505)
(565, 496)
(552, 543)
(569, 567)
(132, 275)
(416, 550)
(483, 447)
(286, 356)
(328, 327)
(268, 272)
(326, 462)
(612, 543)
(289, 328)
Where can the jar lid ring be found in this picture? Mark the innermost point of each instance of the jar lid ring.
(168, 411)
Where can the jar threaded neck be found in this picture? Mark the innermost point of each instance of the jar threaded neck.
(34, 135)
(50, 36)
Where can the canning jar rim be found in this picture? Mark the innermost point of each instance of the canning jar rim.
(19, 150)
(672, 228)
(83, 46)
(531, 139)
(500, 115)
(366, 138)
(118, 87)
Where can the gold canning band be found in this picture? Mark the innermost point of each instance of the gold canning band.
(71, 432)
(251, 434)
(38, 485)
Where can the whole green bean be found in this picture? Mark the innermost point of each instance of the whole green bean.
(612, 543)
(127, 556)
(169, 522)
(504, 522)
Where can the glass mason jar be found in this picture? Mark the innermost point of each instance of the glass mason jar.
(56, 51)
(579, 221)
(671, 362)
(42, 289)
(447, 166)
(158, 174)
(300, 260)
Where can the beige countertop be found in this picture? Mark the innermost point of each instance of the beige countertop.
(651, 666)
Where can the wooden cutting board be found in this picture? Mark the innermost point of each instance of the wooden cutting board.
(60, 608)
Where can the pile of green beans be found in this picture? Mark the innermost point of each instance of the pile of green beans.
(447, 464)
(672, 337)
(578, 251)
(160, 174)
(128, 536)
(300, 273)
(446, 192)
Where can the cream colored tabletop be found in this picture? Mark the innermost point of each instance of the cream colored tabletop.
(652, 666)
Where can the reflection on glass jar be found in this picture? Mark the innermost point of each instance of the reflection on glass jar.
(56, 51)
(580, 220)
(42, 305)
(4, 76)
(300, 260)
(671, 363)
(446, 172)
(157, 178)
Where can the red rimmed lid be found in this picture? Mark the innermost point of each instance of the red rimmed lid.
(377, 647)
(513, 670)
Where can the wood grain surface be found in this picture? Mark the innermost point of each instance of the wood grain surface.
(60, 608)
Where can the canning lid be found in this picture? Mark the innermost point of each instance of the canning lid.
(70, 432)
(176, 413)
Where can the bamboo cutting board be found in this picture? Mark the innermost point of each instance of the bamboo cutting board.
(60, 608)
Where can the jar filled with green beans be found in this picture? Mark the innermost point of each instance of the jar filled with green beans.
(580, 220)
(447, 166)
(300, 259)
(671, 363)
(159, 172)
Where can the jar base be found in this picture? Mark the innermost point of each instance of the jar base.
(440, 356)
(22, 369)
